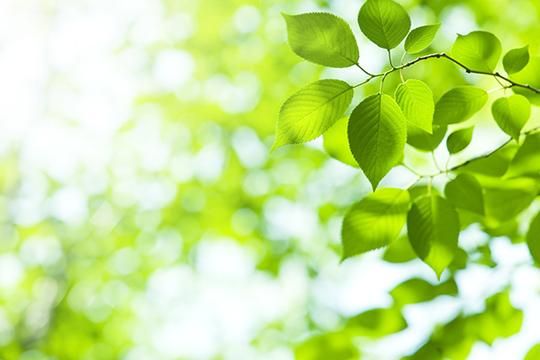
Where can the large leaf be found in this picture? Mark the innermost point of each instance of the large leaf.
(311, 111)
(322, 38)
(516, 59)
(384, 22)
(459, 140)
(478, 51)
(459, 104)
(424, 141)
(336, 143)
(465, 192)
(527, 159)
(533, 238)
(529, 75)
(420, 38)
(375, 221)
(377, 136)
(433, 226)
(511, 114)
(416, 100)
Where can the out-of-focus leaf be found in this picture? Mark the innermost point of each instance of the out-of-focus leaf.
(377, 323)
(526, 162)
(415, 291)
(416, 100)
(459, 140)
(530, 75)
(336, 346)
(424, 141)
(336, 143)
(465, 192)
(399, 251)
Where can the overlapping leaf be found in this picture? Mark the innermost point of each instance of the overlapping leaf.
(530, 75)
(416, 100)
(459, 104)
(336, 143)
(511, 114)
(478, 51)
(424, 141)
(527, 159)
(465, 192)
(459, 140)
(533, 238)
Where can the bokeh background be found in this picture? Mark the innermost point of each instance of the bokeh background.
(142, 216)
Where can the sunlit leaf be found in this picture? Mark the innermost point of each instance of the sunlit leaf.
(399, 251)
(534, 353)
(415, 291)
(459, 104)
(511, 114)
(311, 111)
(377, 136)
(416, 101)
(377, 323)
(336, 143)
(424, 141)
(420, 38)
(529, 75)
(526, 162)
(384, 22)
(465, 192)
(500, 319)
(478, 51)
(459, 140)
(336, 346)
(533, 238)
(322, 38)
(516, 59)
(495, 164)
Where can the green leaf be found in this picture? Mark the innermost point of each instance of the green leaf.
(399, 251)
(534, 353)
(377, 136)
(530, 75)
(459, 104)
(433, 226)
(495, 164)
(336, 346)
(415, 291)
(511, 114)
(478, 51)
(527, 159)
(465, 192)
(459, 140)
(336, 143)
(376, 323)
(322, 38)
(311, 111)
(424, 141)
(375, 221)
(420, 38)
(500, 319)
(384, 22)
(416, 100)
(516, 59)
(533, 238)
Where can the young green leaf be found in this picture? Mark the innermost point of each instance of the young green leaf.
(384, 22)
(459, 140)
(336, 143)
(459, 104)
(511, 114)
(377, 136)
(416, 100)
(530, 75)
(478, 51)
(322, 38)
(465, 192)
(433, 226)
(424, 141)
(311, 111)
(516, 59)
(420, 38)
(375, 221)
(533, 238)
(527, 159)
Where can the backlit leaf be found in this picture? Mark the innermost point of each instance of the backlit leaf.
(516, 59)
(420, 38)
(336, 143)
(465, 192)
(529, 75)
(336, 346)
(322, 38)
(311, 111)
(478, 51)
(511, 114)
(459, 140)
(527, 159)
(416, 101)
(424, 141)
(459, 104)
(533, 238)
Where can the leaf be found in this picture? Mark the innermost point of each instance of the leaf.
(375, 221)
(420, 38)
(527, 159)
(511, 114)
(399, 251)
(376, 323)
(459, 140)
(322, 38)
(311, 111)
(533, 353)
(414, 291)
(465, 192)
(459, 104)
(416, 100)
(377, 136)
(530, 75)
(384, 22)
(336, 143)
(335, 346)
(500, 319)
(424, 141)
(516, 59)
(478, 51)
(433, 226)
(533, 238)
(495, 164)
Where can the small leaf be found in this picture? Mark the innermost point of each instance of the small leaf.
(511, 114)
(527, 159)
(516, 59)
(333, 346)
(424, 141)
(336, 143)
(311, 111)
(459, 140)
(465, 192)
(377, 136)
(384, 22)
(322, 38)
(433, 226)
(416, 100)
(459, 104)
(375, 221)
(420, 38)
(533, 238)
(478, 51)
(530, 75)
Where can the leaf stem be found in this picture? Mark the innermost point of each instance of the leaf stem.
(390, 60)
